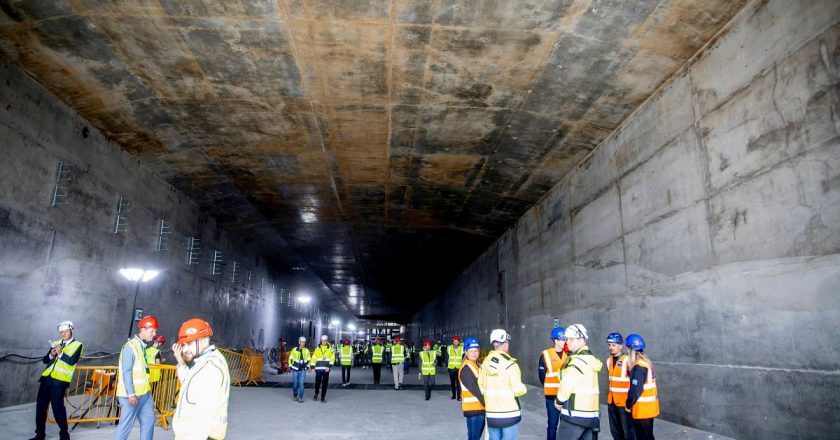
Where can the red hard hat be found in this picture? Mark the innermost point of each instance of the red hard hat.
(160, 339)
(456, 338)
(397, 339)
(148, 321)
(427, 343)
(194, 329)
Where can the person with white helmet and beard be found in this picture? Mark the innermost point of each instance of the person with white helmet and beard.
(202, 408)
(577, 397)
(55, 379)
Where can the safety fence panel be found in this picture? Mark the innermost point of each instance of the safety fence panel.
(92, 395)
(241, 367)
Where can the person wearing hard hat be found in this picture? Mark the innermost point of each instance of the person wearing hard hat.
(299, 362)
(134, 391)
(643, 395)
(345, 356)
(428, 359)
(550, 363)
(500, 380)
(377, 351)
(472, 404)
(202, 408)
(454, 358)
(577, 397)
(397, 358)
(322, 359)
(153, 357)
(618, 381)
(61, 362)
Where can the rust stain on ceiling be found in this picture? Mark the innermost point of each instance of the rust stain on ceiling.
(383, 144)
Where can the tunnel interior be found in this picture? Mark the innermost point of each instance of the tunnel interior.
(669, 168)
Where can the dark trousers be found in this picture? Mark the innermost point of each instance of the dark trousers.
(454, 385)
(428, 383)
(322, 379)
(51, 393)
(621, 427)
(475, 427)
(553, 418)
(643, 428)
(570, 431)
(377, 372)
(345, 374)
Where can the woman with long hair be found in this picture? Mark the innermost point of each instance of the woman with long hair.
(643, 396)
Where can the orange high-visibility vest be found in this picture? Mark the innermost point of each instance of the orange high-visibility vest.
(469, 402)
(619, 381)
(647, 406)
(553, 364)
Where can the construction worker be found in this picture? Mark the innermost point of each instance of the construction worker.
(454, 358)
(550, 363)
(500, 381)
(153, 357)
(397, 358)
(436, 348)
(205, 384)
(428, 359)
(322, 360)
(61, 363)
(282, 362)
(388, 345)
(643, 395)
(299, 362)
(377, 352)
(618, 379)
(577, 397)
(472, 404)
(345, 355)
(409, 351)
(133, 386)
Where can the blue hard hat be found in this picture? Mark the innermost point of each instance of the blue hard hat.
(557, 333)
(615, 338)
(635, 342)
(471, 343)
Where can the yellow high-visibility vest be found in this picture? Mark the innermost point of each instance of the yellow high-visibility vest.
(427, 363)
(455, 355)
(139, 370)
(60, 370)
(154, 373)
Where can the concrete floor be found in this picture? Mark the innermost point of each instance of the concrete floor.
(268, 412)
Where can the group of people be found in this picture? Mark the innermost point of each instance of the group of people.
(201, 410)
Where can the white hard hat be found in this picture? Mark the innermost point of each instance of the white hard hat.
(324, 337)
(302, 338)
(66, 325)
(499, 335)
(577, 331)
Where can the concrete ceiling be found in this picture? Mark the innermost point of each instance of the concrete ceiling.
(380, 144)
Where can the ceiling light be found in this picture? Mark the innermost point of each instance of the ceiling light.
(304, 299)
(137, 274)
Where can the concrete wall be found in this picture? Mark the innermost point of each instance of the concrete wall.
(61, 262)
(709, 224)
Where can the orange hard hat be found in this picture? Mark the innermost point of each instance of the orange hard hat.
(194, 329)
(148, 321)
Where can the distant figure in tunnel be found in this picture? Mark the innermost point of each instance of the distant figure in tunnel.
(322, 359)
(618, 381)
(643, 395)
(454, 358)
(299, 362)
(500, 380)
(345, 355)
(550, 364)
(377, 352)
(428, 358)
(577, 397)
(55, 379)
(205, 384)
(472, 404)
(397, 359)
(134, 390)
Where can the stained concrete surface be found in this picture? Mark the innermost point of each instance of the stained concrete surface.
(269, 413)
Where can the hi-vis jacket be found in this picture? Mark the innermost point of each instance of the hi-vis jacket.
(323, 357)
(203, 401)
(579, 391)
(500, 380)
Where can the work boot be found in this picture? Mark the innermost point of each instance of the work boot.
(323, 400)
(452, 398)
(315, 397)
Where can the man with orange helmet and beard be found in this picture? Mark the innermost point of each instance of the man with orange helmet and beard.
(205, 384)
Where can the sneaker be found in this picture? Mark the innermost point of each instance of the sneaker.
(294, 398)
(300, 400)
(323, 401)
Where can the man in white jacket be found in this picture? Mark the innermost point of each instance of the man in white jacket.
(205, 384)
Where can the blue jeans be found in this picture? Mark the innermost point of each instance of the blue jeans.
(144, 411)
(509, 433)
(475, 427)
(297, 382)
(553, 418)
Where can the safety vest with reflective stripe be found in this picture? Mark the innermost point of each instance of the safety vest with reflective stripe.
(427, 363)
(376, 356)
(619, 381)
(139, 370)
(60, 370)
(553, 364)
(579, 386)
(299, 358)
(436, 349)
(151, 358)
(346, 355)
(455, 356)
(322, 358)
(397, 354)
(469, 403)
(647, 405)
(500, 381)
